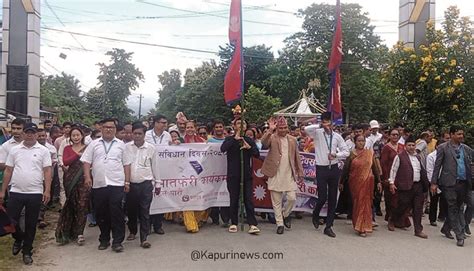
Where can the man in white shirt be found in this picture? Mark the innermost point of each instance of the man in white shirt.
(110, 179)
(329, 149)
(408, 177)
(140, 195)
(42, 139)
(436, 197)
(28, 178)
(158, 136)
(17, 126)
(374, 134)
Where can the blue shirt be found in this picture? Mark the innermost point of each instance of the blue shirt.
(215, 140)
(461, 170)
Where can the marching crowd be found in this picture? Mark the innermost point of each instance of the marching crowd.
(105, 175)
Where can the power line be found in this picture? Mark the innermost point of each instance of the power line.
(208, 13)
(57, 17)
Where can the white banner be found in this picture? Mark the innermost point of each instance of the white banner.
(189, 177)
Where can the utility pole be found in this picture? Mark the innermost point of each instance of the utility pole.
(140, 107)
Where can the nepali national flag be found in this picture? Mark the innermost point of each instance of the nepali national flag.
(235, 74)
(334, 101)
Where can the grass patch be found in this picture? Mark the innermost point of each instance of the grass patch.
(10, 262)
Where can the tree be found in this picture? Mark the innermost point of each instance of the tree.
(170, 85)
(433, 84)
(116, 81)
(259, 106)
(306, 55)
(202, 96)
(63, 93)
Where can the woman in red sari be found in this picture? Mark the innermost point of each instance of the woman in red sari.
(74, 213)
(362, 173)
(389, 151)
(193, 219)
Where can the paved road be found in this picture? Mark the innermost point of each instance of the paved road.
(302, 248)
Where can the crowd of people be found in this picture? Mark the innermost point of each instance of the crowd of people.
(104, 174)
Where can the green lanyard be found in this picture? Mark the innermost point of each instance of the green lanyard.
(329, 144)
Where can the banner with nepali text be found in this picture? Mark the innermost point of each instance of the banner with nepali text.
(189, 177)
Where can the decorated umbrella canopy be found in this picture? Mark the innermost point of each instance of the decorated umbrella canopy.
(305, 109)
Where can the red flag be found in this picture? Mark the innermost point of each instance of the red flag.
(334, 102)
(235, 74)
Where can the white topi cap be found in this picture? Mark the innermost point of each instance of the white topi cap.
(374, 124)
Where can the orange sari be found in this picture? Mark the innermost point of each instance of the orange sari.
(361, 183)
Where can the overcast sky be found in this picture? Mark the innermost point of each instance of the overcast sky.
(192, 24)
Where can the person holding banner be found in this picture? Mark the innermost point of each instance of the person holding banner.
(232, 145)
(158, 136)
(193, 219)
(329, 149)
(283, 169)
(362, 173)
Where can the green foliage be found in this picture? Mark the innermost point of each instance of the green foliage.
(433, 85)
(170, 85)
(116, 81)
(259, 106)
(306, 56)
(63, 93)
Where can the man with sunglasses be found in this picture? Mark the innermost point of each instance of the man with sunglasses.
(453, 176)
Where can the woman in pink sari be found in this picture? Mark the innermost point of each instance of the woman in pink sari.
(361, 172)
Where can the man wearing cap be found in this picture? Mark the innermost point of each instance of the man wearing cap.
(409, 178)
(374, 134)
(329, 149)
(28, 173)
(283, 168)
(181, 123)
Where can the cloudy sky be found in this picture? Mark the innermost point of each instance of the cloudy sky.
(143, 26)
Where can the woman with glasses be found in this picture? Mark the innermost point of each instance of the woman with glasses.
(389, 151)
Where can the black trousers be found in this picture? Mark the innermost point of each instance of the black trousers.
(436, 200)
(32, 204)
(328, 181)
(109, 213)
(55, 186)
(410, 199)
(222, 211)
(138, 207)
(455, 197)
(469, 210)
(233, 186)
(157, 221)
(344, 204)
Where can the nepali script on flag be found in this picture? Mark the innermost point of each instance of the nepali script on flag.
(235, 74)
(334, 101)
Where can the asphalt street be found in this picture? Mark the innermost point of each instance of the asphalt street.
(301, 248)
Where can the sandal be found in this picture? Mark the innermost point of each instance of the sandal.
(81, 240)
(233, 228)
(254, 230)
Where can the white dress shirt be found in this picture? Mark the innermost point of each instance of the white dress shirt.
(415, 163)
(107, 160)
(141, 157)
(321, 145)
(28, 168)
(370, 141)
(152, 138)
(66, 142)
(430, 163)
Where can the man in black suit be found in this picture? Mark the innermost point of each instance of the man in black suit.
(453, 160)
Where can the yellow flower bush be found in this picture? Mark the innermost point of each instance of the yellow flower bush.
(458, 82)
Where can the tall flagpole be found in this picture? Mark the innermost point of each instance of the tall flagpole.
(242, 132)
